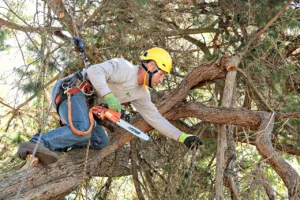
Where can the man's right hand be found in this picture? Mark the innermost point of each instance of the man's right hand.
(112, 102)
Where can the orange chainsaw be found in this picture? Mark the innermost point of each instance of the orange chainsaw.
(107, 118)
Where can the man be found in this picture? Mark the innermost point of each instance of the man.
(117, 81)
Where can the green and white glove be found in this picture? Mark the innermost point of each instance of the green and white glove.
(112, 102)
(190, 141)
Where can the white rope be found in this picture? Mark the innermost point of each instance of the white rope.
(44, 124)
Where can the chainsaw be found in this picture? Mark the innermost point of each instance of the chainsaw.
(107, 118)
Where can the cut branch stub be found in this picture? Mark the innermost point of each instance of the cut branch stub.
(229, 62)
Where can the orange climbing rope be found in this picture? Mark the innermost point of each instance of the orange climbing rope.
(74, 130)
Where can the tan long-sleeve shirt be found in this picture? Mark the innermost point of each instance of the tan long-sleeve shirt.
(120, 77)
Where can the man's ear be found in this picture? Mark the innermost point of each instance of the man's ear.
(151, 65)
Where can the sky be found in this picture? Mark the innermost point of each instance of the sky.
(9, 59)
(12, 58)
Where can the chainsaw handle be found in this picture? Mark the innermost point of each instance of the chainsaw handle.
(112, 115)
(125, 116)
(104, 113)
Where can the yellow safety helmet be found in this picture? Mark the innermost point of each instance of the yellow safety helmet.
(160, 56)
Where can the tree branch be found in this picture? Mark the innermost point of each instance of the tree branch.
(23, 28)
(264, 145)
(15, 111)
(134, 167)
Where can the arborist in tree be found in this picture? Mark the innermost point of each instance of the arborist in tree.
(115, 81)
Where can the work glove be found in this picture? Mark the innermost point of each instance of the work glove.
(190, 141)
(112, 102)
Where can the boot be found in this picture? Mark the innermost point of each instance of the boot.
(46, 156)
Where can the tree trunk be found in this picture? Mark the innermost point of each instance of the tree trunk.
(53, 181)
(223, 129)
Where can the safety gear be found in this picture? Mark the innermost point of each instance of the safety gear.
(74, 84)
(45, 156)
(190, 141)
(160, 56)
(112, 102)
(150, 75)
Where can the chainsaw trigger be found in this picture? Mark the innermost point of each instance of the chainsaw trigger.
(101, 116)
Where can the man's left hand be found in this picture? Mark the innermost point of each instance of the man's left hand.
(190, 141)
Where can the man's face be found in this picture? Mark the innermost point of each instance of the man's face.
(158, 77)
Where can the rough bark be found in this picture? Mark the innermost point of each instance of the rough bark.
(206, 72)
(264, 145)
(135, 166)
(223, 129)
(51, 182)
(230, 176)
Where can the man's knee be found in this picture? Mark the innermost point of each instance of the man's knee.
(100, 144)
(82, 125)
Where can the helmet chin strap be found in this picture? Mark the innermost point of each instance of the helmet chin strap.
(149, 73)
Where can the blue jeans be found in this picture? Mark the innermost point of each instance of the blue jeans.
(62, 138)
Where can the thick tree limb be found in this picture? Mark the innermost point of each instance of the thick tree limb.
(287, 115)
(240, 117)
(223, 129)
(206, 72)
(289, 149)
(230, 175)
(264, 145)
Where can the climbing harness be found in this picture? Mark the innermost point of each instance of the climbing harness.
(73, 84)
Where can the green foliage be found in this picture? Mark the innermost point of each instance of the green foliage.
(32, 87)
(4, 35)
(196, 17)
(141, 2)
(270, 76)
(294, 25)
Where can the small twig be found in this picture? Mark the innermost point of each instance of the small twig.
(262, 98)
(258, 34)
